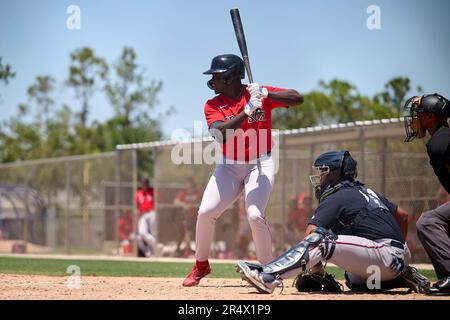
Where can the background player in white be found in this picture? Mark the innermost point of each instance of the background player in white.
(239, 117)
(365, 236)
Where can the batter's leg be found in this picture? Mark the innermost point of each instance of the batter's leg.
(258, 188)
(223, 188)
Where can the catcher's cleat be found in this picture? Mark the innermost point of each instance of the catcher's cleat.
(194, 277)
(254, 266)
(255, 278)
(241, 273)
(414, 280)
(251, 266)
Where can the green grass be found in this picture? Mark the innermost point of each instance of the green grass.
(56, 267)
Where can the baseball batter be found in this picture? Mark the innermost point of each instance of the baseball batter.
(365, 238)
(239, 117)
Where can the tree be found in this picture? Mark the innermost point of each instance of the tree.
(312, 112)
(394, 94)
(345, 101)
(131, 97)
(40, 93)
(59, 135)
(118, 131)
(5, 72)
(335, 101)
(85, 69)
(20, 140)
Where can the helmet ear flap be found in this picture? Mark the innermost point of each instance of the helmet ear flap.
(210, 84)
(349, 170)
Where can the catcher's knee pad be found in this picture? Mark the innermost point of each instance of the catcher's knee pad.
(298, 255)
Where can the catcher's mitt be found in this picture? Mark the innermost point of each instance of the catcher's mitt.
(309, 282)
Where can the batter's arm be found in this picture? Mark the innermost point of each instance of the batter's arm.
(289, 97)
(219, 128)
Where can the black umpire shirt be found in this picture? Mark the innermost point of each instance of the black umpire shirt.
(438, 148)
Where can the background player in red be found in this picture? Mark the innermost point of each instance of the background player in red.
(125, 230)
(189, 200)
(239, 118)
(144, 197)
(300, 210)
(147, 219)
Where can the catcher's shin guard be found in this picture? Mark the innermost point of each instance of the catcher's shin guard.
(298, 255)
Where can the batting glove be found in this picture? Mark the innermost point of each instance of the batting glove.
(254, 104)
(255, 89)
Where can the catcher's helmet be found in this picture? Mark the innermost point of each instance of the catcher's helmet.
(337, 166)
(418, 104)
(229, 65)
(341, 160)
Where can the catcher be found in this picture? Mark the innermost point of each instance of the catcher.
(354, 228)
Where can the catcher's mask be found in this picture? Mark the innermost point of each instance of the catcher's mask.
(230, 67)
(332, 167)
(418, 104)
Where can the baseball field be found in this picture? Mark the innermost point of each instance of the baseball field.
(111, 278)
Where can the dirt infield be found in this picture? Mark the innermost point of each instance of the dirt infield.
(23, 287)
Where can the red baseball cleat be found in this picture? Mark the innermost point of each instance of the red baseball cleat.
(194, 277)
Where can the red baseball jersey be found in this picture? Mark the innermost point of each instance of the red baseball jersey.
(144, 200)
(254, 138)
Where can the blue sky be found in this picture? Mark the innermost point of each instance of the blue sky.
(292, 43)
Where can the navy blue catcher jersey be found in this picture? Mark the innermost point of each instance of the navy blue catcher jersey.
(357, 211)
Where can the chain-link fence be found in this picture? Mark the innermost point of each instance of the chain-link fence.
(83, 198)
(60, 204)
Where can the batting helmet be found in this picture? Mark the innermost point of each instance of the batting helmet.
(229, 65)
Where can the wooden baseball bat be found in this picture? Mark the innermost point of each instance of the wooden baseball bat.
(239, 31)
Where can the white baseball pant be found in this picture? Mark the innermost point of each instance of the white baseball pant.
(224, 186)
(361, 258)
(147, 228)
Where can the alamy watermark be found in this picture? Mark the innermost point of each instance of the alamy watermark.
(374, 20)
(239, 147)
(73, 21)
(74, 280)
(374, 280)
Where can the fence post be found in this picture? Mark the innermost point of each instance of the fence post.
(283, 160)
(134, 187)
(66, 222)
(362, 146)
(26, 220)
(312, 150)
(383, 165)
(155, 190)
(117, 198)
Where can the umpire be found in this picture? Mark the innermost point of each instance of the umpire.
(430, 114)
